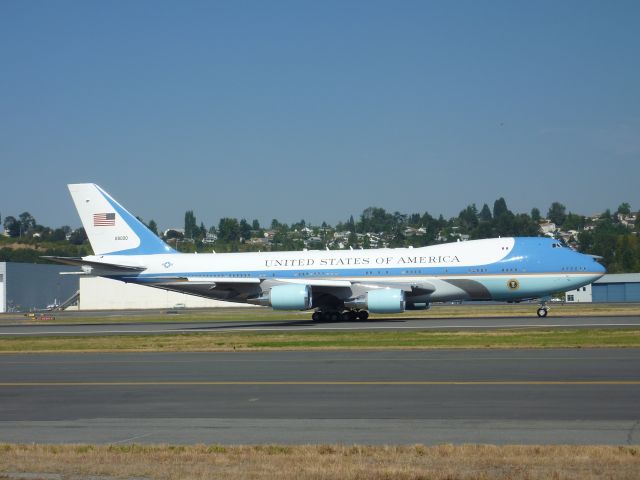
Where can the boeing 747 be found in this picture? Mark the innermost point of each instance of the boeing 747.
(335, 284)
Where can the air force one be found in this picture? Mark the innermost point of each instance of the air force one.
(336, 284)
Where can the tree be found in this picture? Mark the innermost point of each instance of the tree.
(505, 224)
(535, 214)
(556, 213)
(153, 226)
(485, 214)
(525, 226)
(499, 208)
(374, 219)
(255, 225)
(574, 222)
(352, 241)
(171, 233)
(483, 230)
(11, 226)
(624, 209)
(58, 235)
(351, 225)
(27, 223)
(468, 218)
(228, 230)
(78, 237)
(190, 225)
(245, 229)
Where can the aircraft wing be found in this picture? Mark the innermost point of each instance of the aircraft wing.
(340, 288)
(415, 288)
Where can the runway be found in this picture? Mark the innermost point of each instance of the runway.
(397, 324)
(578, 396)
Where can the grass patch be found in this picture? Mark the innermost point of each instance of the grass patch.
(225, 341)
(324, 461)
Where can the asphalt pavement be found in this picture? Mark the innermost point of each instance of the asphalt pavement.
(578, 396)
(398, 324)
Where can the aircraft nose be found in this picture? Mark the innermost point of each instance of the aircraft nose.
(594, 266)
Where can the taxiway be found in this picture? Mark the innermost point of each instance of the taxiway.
(398, 324)
(580, 396)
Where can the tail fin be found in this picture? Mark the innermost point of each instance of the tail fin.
(111, 229)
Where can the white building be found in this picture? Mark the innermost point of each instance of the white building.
(548, 228)
(581, 295)
(97, 293)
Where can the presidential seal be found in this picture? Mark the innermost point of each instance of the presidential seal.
(513, 284)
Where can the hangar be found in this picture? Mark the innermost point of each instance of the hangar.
(614, 288)
(26, 287)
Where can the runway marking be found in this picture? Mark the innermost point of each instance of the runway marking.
(127, 440)
(320, 382)
(205, 329)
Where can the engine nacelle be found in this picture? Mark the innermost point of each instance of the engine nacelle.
(419, 306)
(386, 300)
(383, 300)
(286, 297)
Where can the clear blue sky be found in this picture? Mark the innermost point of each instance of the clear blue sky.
(317, 110)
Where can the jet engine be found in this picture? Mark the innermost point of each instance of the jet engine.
(286, 297)
(383, 300)
(418, 306)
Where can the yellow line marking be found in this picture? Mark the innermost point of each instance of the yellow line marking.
(328, 382)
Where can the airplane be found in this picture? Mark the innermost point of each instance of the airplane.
(337, 285)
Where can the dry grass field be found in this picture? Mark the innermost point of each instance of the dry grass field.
(443, 462)
(295, 340)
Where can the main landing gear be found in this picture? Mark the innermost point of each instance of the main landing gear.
(337, 316)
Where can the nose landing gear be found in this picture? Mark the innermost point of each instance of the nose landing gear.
(543, 310)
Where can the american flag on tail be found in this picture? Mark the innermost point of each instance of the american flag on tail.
(104, 219)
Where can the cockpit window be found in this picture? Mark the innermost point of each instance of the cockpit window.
(556, 245)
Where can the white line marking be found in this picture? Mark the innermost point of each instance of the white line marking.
(130, 439)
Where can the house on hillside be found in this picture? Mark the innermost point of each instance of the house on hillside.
(548, 228)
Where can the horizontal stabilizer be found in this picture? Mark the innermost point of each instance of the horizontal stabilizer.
(79, 262)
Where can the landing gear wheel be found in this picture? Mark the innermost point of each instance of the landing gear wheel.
(316, 317)
(542, 312)
(334, 317)
(363, 315)
(349, 316)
